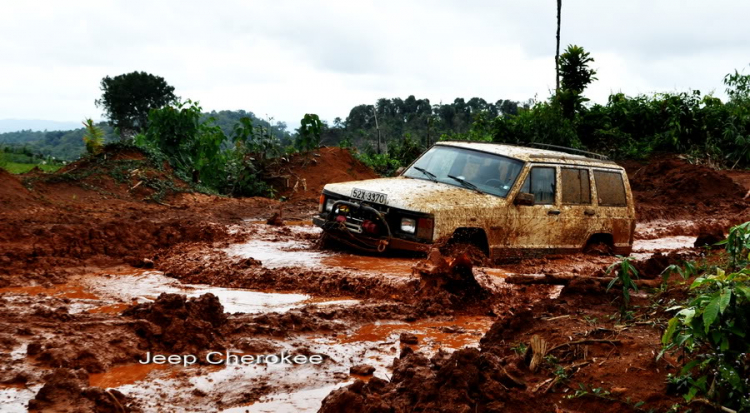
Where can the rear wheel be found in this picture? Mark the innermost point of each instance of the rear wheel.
(600, 244)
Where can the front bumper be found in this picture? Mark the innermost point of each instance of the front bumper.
(353, 236)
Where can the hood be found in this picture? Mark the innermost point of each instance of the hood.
(418, 194)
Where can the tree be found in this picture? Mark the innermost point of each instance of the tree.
(128, 98)
(575, 76)
(557, 50)
(93, 137)
(309, 132)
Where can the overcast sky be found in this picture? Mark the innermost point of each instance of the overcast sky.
(287, 58)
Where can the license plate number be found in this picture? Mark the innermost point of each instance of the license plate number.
(369, 196)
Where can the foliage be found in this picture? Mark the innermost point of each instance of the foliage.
(686, 270)
(738, 245)
(625, 274)
(192, 146)
(65, 145)
(575, 76)
(711, 331)
(381, 163)
(93, 138)
(310, 129)
(128, 98)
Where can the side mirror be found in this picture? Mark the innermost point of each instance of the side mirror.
(524, 198)
(400, 170)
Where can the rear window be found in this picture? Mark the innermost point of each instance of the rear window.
(610, 188)
(576, 187)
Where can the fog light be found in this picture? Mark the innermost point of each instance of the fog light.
(408, 225)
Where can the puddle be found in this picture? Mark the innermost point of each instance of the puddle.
(308, 400)
(279, 254)
(452, 334)
(14, 400)
(61, 290)
(385, 265)
(122, 375)
(109, 309)
(148, 285)
(667, 243)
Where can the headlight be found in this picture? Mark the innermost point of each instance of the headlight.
(329, 204)
(408, 225)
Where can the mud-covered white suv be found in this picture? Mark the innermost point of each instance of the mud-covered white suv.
(507, 200)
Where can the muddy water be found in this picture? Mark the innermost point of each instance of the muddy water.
(148, 285)
(664, 244)
(122, 375)
(111, 294)
(274, 254)
(15, 400)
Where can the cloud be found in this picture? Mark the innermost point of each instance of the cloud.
(288, 58)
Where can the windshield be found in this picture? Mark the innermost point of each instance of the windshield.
(465, 168)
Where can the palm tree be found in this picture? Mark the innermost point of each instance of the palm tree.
(557, 52)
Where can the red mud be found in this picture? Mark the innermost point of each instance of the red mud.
(65, 227)
(303, 176)
(675, 189)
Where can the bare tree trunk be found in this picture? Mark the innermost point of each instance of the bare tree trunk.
(375, 112)
(557, 52)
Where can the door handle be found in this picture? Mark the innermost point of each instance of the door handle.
(589, 212)
(553, 212)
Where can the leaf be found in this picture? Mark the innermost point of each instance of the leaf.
(724, 299)
(744, 291)
(688, 313)
(711, 312)
(671, 327)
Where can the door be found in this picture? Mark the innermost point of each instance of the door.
(578, 217)
(528, 228)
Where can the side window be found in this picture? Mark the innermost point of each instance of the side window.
(576, 187)
(610, 188)
(541, 183)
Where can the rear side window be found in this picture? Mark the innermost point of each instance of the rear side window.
(576, 187)
(610, 188)
(541, 183)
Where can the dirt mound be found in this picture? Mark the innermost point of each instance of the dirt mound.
(673, 188)
(117, 173)
(67, 390)
(303, 176)
(181, 324)
(13, 193)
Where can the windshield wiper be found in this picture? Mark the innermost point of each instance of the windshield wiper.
(466, 183)
(431, 175)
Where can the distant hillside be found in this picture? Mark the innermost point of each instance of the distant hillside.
(14, 125)
(67, 144)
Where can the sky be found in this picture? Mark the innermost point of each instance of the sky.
(282, 59)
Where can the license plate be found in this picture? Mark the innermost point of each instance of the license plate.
(369, 196)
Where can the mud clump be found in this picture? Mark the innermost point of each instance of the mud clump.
(67, 390)
(448, 282)
(181, 325)
(465, 381)
(709, 237)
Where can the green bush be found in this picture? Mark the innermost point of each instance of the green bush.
(711, 330)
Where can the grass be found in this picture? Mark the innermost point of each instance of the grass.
(19, 168)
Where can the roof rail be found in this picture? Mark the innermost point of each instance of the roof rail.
(571, 151)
